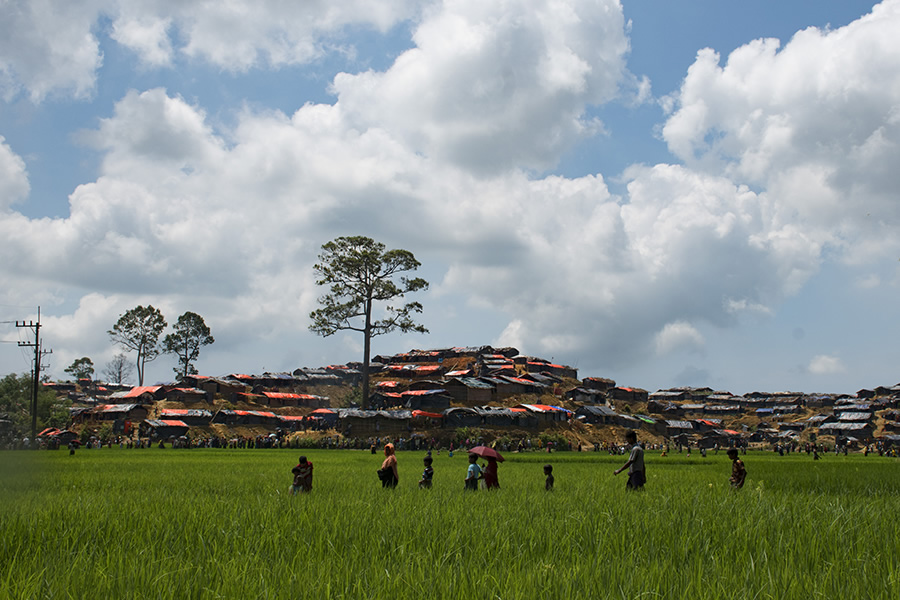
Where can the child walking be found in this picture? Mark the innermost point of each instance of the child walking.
(738, 471)
(637, 475)
(302, 476)
(548, 484)
(473, 473)
(427, 474)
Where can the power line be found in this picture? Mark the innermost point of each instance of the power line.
(38, 355)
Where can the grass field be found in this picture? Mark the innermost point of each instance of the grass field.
(221, 524)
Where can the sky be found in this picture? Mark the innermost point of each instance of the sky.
(665, 194)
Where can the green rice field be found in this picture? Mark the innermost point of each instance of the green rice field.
(216, 523)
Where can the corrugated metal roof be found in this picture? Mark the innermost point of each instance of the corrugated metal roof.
(600, 411)
(461, 373)
(855, 416)
(521, 381)
(139, 390)
(844, 426)
(472, 382)
(369, 414)
(115, 408)
(184, 412)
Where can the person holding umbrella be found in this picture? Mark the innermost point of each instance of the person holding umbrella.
(491, 481)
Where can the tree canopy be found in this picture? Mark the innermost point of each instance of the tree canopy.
(81, 368)
(15, 402)
(139, 330)
(360, 272)
(191, 333)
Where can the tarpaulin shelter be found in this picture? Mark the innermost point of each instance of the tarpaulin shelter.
(163, 429)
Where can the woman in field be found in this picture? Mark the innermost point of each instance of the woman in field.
(491, 480)
(388, 473)
(738, 471)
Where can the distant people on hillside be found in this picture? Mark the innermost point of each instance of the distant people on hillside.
(738, 471)
(388, 473)
(548, 482)
(637, 474)
(491, 480)
(473, 473)
(427, 474)
(303, 473)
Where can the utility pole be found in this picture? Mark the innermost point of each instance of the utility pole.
(37, 367)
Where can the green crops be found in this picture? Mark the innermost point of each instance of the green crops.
(222, 524)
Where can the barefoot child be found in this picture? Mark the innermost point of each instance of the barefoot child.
(302, 476)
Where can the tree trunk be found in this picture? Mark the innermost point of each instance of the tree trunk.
(367, 348)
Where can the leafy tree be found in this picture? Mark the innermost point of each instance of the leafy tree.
(191, 334)
(15, 401)
(118, 370)
(139, 330)
(359, 273)
(105, 432)
(81, 368)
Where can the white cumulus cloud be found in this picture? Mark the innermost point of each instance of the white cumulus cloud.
(814, 121)
(824, 364)
(494, 85)
(678, 336)
(14, 186)
(52, 47)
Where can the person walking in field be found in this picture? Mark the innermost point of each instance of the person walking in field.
(302, 476)
(548, 483)
(473, 473)
(388, 472)
(738, 471)
(491, 480)
(427, 474)
(637, 475)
